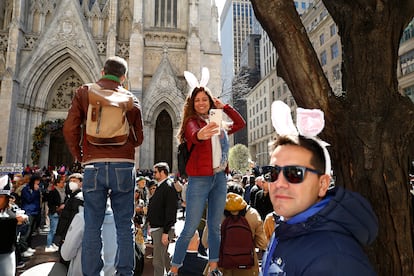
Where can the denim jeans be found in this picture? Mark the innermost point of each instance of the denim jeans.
(201, 190)
(54, 219)
(109, 243)
(98, 179)
(8, 264)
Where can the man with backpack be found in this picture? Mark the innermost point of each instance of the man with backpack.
(107, 152)
(241, 233)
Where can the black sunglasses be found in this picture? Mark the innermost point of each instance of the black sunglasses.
(293, 174)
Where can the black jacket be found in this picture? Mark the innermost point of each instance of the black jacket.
(53, 201)
(69, 211)
(263, 204)
(162, 208)
(8, 232)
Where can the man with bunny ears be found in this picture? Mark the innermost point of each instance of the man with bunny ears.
(322, 228)
(206, 168)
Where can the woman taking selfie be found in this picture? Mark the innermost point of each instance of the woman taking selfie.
(207, 166)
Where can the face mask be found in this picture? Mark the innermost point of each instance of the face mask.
(73, 186)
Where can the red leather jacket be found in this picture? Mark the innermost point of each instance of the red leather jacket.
(72, 130)
(201, 158)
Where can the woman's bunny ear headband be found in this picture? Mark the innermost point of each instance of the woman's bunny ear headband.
(309, 122)
(193, 82)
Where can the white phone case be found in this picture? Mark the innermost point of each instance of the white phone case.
(216, 115)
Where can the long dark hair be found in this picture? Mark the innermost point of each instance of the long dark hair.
(32, 180)
(189, 111)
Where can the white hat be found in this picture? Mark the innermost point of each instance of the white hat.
(4, 185)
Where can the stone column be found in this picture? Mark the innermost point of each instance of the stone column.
(135, 63)
(194, 47)
(9, 85)
(111, 38)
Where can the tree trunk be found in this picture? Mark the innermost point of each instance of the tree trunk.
(371, 127)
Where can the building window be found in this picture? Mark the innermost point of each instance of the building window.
(332, 29)
(409, 91)
(407, 62)
(336, 72)
(165, 13)
(323, 58)
(334, 51)
(321, 39)
(408, 32)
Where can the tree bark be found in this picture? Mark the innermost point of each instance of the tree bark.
(371, 127)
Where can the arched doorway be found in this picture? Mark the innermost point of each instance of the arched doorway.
(58, 151)
(163, 139)
(48, 140)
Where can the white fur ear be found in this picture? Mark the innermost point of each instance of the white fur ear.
(282, 119)
(191, 80)
(205, 77)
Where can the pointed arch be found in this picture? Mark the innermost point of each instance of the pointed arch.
(163, 146)
(48, 68)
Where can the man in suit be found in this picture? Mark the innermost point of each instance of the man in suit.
(162, 215)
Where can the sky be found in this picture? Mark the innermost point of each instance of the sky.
(220, 5)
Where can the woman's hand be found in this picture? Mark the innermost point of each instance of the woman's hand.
(218, 103)
(207, 131)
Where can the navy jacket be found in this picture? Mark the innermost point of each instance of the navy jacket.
(30, 201)
(329, 242)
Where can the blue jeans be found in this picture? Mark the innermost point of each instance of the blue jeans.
(98, 179)
(8, 264)
(54, 219)
(201, 190)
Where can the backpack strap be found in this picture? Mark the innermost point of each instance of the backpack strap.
(191, 149)
(98, 95)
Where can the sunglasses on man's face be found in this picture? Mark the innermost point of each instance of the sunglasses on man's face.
(293, 174)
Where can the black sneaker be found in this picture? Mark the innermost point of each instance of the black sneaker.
(170, 273)
(215, 272)
(20, 265)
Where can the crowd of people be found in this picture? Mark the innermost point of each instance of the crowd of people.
(286, 218)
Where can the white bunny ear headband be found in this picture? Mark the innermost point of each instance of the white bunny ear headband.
(309, 122)
(193, 82)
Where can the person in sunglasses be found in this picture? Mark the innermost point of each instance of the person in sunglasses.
(322, 228)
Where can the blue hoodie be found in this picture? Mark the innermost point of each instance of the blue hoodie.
(30, 201)
(328, 242)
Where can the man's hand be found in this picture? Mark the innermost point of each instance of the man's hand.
(164, 239)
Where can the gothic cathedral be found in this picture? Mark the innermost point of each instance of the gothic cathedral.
(50, 47)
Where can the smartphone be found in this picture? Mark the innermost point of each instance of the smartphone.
(216, 115)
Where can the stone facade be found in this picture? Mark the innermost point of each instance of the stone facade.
(50, 47)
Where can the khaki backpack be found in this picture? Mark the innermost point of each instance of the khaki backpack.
(106, 121)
